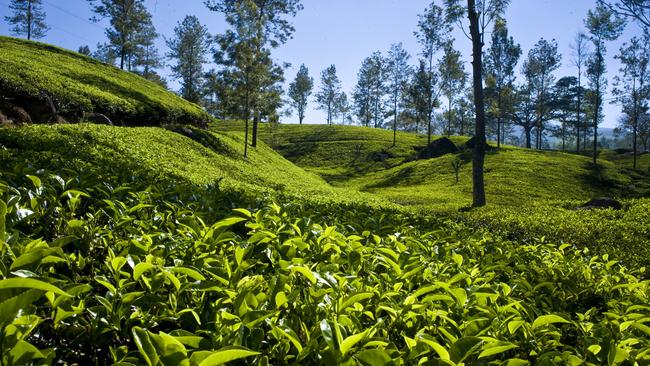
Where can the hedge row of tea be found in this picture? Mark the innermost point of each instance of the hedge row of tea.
(96, 272)
(77, 83)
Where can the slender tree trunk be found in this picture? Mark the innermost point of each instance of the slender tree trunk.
(479, 103)
(395, 121)
(578, 116)
(596, 113)
(634, 137)
(29, 20)
(256, 121)
(498, 118)
(449, 116)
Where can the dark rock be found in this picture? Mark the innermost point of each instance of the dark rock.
(472, 142)
(602, 202)
(98, 118)
(622, 151)
(438, 148)
(381, 156)
(14, 113)
(41, 110)
(58, 120)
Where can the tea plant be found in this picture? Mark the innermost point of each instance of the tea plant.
(94, 272)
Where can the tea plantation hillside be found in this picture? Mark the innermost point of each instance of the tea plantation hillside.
(34, 74)
(531, 194)
(184, 155)
(121, 246)
(365, 159)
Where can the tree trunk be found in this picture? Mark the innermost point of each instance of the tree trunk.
(479, 104)
(634, 137)
(596, 112)
(579, 107)
(498, 118)
(395, 123)
(256, 121)
(528, 139)
(29, 20)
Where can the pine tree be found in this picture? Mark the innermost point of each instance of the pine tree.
(500, 62)
(257, 26)
(632, 86)
(300, 90)
(28, 19)
(453, 78)
(603, 25)
(398, 71)
(128, 18)
(431, 34)
(329, 93)
(542, 61)
(188, 50)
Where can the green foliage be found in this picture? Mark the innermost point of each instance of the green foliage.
(129, 275)
(78, 83)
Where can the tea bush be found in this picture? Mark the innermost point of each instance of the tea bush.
(77, 83)
(94, 272)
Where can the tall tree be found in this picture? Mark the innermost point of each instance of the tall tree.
(105, 53)
(343, 108)
(329, 93)
(632, 85)
(398, 71)
(418, 98)
(542, 61)
(452, 80)
(370, 90)
(28, 19)
(480, 14)
(639, 10)
(188, 50)
(524, 112)
(564, 98)
(500, 62)
(580, 56)
(127, 19)
(146, 59)
(603, 25)
(265, 27)
(299, 91)
(431, 34)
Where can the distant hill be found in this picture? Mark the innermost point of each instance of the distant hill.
(50, 84)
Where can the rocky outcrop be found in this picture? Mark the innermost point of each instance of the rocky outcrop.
(602, 202)
(438, 148)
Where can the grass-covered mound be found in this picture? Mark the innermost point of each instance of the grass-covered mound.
(32, 72)
(94, 273)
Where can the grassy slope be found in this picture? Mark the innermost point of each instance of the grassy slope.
(161, 154)
(531, 194)
(79, 83)
(350, 157)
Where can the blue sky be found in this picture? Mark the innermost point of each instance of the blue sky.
(343, 32)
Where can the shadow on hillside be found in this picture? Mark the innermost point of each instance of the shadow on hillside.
(207, 139)
(152, 114)
(395, 179)
(596, 177)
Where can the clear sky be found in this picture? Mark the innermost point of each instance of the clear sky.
(343, 32)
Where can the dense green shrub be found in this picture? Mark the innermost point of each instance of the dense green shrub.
(77, 83)
(94, 272)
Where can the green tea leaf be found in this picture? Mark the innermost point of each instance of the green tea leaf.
(227, 354)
